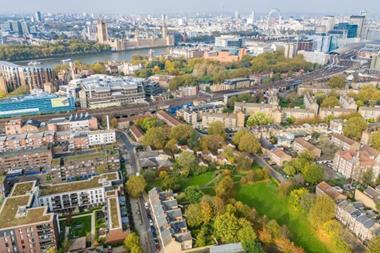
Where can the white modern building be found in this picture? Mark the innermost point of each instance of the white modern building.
(77, 194)
(101, 137)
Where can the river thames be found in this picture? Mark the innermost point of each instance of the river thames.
(100, 57)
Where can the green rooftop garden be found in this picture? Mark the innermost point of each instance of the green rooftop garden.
(114, 213)
(93, 182)
(22, 188)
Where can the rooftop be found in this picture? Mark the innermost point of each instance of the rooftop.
(94, 182)
(105, 83)
(16, 210)
(22, 188)
(114, 212)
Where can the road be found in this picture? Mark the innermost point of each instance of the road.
(140, 217)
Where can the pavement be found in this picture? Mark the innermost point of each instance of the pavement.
(140, 217)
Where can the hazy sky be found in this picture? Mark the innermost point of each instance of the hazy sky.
(186, 6)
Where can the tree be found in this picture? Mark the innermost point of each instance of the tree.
(211, 143)
(333, 229)
(313, 173)
(368, 95)
(132, 243)
(238, 136)
(98, 68)
(368, 177)
(226, 227)
(207, 212)
(249, 143)
(246, 235)
(155, 137)
(244, 163)
(136, 186)
(181, 133)
(202, 237)
(337, 82)
(354, 127)
(224, 189)
(193, 194)
(217, 128)
(259, 119)
(186, 160)
(147, 123)
(374, 245)
(322, 211)
(300, 200)
(169, 182)
(289, 169)
(193, 215)
(375, 140)
(330, 102)
(114, 123)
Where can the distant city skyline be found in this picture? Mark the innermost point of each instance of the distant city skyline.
(191, 6)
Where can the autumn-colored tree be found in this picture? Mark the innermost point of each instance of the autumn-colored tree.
(217, 128)
(322, 211)
(337, 82)
(155, 137)
(354, 127)
(136, 186)
(224, 189)
(211, 143)
(193, 215)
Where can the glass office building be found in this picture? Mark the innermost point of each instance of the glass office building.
(37, 103)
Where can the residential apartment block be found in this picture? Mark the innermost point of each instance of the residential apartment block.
(370, 112)
(301, 145)
(354, 163)
(25, 227)
(174, 237)
(272, 110)
(35, 159)
(85, 165)
(344, 142)
(230, 121)
(78, 194)
(360, 222)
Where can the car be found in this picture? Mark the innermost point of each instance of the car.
(146, 204)
(150, 222)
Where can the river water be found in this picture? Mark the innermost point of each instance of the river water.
(100, 57)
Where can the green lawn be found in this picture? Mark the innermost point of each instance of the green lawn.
(263, 196)
(79, 226)
(199, 180)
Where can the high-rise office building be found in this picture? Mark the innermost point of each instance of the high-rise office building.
(290, 50)
(16, 27)
(25, 27)
(38, 16)
(359, 20)
(102, 32)
(346, 29)
(327, 23)
(164, 27)
(251, 18)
